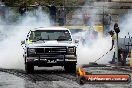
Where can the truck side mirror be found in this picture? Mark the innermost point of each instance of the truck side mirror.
(22, 42)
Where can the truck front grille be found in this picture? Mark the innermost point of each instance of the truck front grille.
(59, 50)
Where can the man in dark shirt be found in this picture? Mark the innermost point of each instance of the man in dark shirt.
(61, 15)
(23, 8)
(52, 11)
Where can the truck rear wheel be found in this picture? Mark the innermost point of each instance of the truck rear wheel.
(29, 68)
(70, 68)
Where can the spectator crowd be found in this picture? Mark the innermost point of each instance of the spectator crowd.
(55, 14)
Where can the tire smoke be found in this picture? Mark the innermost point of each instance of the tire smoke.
(11, 51)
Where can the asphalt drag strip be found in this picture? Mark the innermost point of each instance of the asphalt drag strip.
(15, 78)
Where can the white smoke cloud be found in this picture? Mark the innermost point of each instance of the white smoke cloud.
(90, 53)
(126, 25)
(94, 49)
(11, 51)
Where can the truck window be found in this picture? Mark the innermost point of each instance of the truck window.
(50, 35)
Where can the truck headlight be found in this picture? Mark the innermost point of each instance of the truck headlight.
(71, 49)
(31, 51)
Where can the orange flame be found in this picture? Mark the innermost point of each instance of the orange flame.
(82, 72)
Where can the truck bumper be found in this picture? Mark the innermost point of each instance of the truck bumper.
(59, 60)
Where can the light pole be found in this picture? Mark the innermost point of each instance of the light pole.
(117, 30)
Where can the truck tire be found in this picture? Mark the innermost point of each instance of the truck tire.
(29, 68)
(82, 80)
(70, 68)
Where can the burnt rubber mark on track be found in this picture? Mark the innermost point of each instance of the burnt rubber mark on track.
(41, 75)
(19, 73)
(56, 75)
(69, 76)
(53, 75)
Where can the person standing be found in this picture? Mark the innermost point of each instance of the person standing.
(23, 9)
(37, 10)
(52, 11)
(107, 23)
(61, 15)
(36, 5)
(86, 18)
(114, 45)
(122, 55)
(113, 38)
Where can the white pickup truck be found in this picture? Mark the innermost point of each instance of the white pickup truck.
(47, 47)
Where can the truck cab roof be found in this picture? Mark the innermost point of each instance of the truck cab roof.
(50, 28)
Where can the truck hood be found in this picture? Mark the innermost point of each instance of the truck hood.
(50, 44)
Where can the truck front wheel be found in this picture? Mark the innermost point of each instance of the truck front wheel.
(29, 68)
(70, 68)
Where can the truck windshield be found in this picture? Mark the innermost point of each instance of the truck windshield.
(59, 35)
